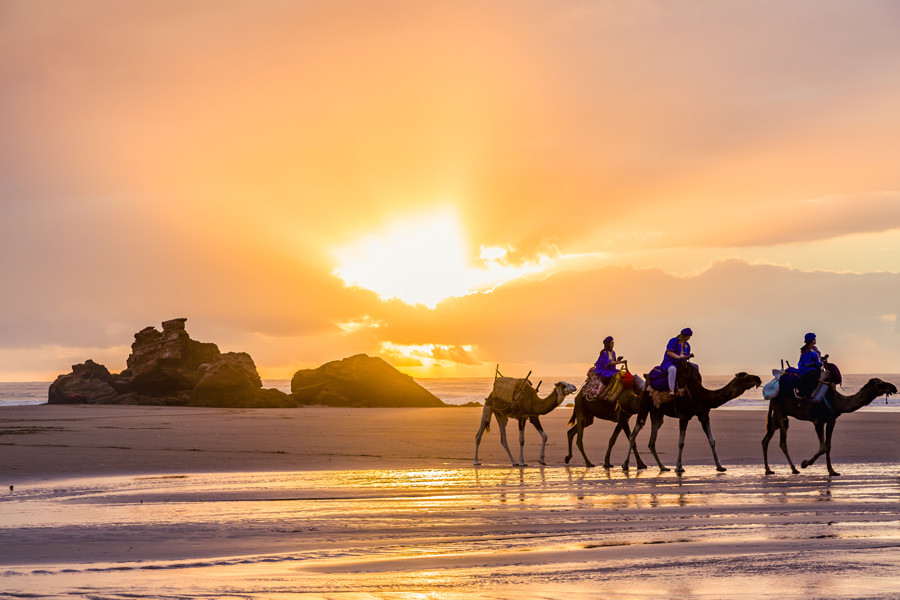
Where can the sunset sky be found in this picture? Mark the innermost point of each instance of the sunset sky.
(451, 185)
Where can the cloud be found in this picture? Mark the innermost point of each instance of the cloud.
(167, 160)
(818, 219)
(745, 317)
(455, 355)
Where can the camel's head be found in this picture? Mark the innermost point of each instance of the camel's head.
(880, 387)
(563, 389)
(747, 381)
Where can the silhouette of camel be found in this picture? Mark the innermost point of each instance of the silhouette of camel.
(609, 410)
(526, 406)
(696, 401)
(785, 405)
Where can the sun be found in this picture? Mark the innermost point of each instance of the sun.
(423, 260)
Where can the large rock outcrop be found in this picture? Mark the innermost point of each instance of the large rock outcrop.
(169, 368)
(360, 381)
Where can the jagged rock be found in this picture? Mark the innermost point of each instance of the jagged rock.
(88, 382)
(168, 368)
(226, 384)
(244, 363)
(223, 385)
(361, 381)
(272, 398)
(165, 362)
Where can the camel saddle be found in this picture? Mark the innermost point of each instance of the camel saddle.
(508, 391)
(592, 385)
(610, 393)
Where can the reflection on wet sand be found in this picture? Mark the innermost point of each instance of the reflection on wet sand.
(446, 533)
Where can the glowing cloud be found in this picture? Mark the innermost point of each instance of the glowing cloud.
(428, 355)
(424, 261)
(365, 322)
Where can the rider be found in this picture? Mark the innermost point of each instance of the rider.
(607, 363)
(809, 367)
(677, 349)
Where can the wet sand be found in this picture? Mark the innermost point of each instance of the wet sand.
(143, 502)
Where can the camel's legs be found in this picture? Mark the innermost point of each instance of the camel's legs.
(783, 428)
(570, 434)
(578, 429)
(638, 425)
(627, 430)
(612, 442)
(820, 432)
(485, 423)
(622, 425)
(704, 422)
(682, 431)
(501, 424)
(656, 423)
(770, 431)
(536, 421)
(522, 443)
(829, 429)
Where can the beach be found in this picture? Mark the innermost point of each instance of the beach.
(153, 502)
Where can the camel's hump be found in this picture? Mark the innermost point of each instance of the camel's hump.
(505, 388)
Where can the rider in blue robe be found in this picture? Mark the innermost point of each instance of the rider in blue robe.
(809, 367)
(677, 350)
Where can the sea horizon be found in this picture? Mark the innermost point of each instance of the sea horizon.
(462, 390)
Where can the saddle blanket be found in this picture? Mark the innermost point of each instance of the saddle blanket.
(660, 397)
(592, 386)
(658, 379)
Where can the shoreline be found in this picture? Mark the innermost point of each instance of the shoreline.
(156, 502)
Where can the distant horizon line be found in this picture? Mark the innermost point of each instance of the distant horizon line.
(533, 377)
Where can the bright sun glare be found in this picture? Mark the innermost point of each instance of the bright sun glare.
(424, 261)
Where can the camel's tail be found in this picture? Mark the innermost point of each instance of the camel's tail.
(573, 418)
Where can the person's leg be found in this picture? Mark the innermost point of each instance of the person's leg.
(604, 381)
(672, 370)
(807, 384)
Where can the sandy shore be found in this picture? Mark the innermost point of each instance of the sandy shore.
(44, 441)
(119, 502)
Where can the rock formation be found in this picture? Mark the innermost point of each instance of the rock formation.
(169, 368)
(360, 381)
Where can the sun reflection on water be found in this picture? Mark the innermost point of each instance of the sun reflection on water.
(441, 531)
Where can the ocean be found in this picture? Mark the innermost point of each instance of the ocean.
(474, 389)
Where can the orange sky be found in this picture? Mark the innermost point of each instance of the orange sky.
(277, 171)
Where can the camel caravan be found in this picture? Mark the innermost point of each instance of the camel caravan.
(675, 389)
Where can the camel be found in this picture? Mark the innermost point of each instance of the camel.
(696, 401)
(785, 405)
(609, 410)
(527, 407)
